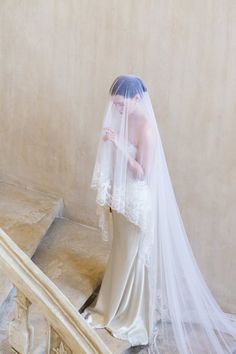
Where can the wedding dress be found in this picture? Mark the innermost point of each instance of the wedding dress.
(152, 291)
(122, 303)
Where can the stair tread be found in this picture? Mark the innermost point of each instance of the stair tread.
(74, 257)
(25, 215)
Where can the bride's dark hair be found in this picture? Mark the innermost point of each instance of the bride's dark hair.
(127, 86)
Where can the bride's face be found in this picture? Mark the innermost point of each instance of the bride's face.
(124, 104)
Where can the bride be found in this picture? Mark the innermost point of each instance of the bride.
(152, 292)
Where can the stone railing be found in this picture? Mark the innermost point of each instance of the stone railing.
(67, 331)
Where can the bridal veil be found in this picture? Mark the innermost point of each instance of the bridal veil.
(184, 317)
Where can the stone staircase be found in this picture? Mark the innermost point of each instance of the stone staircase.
(72, 255)
(25, 215)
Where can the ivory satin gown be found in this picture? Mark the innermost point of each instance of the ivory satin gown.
(122, 302)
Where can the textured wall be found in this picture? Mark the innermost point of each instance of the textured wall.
(57, 61)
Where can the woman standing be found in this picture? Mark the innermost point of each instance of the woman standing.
(152, 290)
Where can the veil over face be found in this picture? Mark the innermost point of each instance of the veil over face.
(131, 176)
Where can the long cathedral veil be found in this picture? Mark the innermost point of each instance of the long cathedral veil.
(184, 317)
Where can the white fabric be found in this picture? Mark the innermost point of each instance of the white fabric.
(121, 306)
(131, 176)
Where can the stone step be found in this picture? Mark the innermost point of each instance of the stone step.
(74, 257)
(25, 215)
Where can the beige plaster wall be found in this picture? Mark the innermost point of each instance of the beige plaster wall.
(57, 61)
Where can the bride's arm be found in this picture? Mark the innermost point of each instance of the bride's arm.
(139, 167)
(135, 167)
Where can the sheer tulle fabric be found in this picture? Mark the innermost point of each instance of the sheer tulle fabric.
(191, 320)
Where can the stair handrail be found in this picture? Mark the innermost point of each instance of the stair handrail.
(54, 305)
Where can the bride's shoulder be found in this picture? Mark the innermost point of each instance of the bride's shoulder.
(145, 127)
(146, 135)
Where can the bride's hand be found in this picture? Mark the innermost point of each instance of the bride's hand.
(111, 135)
